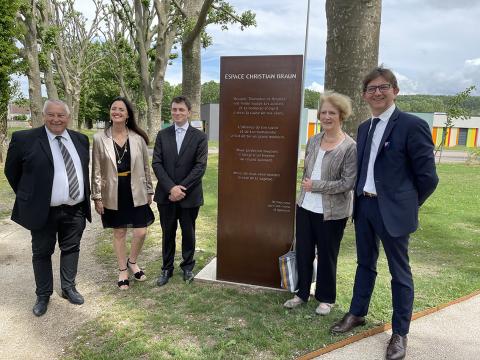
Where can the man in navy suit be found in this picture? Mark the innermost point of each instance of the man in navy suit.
(179, 162)
(396, 174)
(47, 168)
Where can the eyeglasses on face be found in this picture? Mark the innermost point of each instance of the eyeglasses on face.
(383, 88)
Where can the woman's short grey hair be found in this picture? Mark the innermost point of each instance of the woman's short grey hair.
(55, 102)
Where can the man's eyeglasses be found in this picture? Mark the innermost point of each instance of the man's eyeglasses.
(383, 88)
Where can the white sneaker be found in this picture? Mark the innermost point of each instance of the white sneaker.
(324, 308)
(293, 303)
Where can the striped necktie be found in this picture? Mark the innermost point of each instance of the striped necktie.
(73, 187)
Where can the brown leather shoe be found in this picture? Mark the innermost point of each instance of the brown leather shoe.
(347, 323)
(397, 347)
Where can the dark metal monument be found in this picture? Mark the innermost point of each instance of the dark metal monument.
(259, 127)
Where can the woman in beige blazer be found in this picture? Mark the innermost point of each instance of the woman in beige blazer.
(122, 185)
(324, 202)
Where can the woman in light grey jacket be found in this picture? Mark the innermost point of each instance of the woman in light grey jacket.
(325, 202)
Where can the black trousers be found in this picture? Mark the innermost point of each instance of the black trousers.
(170, 215)
(67, 223)
(369, 230)
(313, 232)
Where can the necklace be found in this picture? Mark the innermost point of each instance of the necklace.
(120, 158)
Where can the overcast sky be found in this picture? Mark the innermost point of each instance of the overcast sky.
(432, 45)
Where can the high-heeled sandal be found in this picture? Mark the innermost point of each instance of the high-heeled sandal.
(124, 282)
(139, 275)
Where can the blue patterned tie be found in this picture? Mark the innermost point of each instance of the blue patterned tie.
(366, 158)
(73, 187)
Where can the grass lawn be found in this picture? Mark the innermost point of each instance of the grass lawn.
(205, 321)
(11, 130)
(6, 195)
(89, 133)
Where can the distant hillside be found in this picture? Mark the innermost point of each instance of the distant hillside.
(412, 103)
(433, 103)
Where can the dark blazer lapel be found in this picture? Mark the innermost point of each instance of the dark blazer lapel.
(44, 143)
(390, 125)
(80, 149)
(361, 140)
(186, 140)
(172, 142)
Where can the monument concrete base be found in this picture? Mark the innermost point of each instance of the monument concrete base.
(209, 274)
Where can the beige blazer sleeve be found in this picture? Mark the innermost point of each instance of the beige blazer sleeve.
(141, 179)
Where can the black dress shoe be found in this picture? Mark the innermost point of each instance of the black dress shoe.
(347, 323)
(188, 276)
(41, 305)
(73, 296)
(397, 347)
(164, 276)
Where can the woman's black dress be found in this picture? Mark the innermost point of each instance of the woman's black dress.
(127, 214)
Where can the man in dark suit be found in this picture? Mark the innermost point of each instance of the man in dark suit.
(396, 174)
(47, 168)
(179, 162)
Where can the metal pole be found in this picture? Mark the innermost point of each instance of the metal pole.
(305, 55)
(302, 101)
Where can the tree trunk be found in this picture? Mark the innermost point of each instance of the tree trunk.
(191, 60)
(353, 31)
(75, 121)
(74, 52)
(156, 120)
(69, 101)
(146, 120)
(3, 125)
(165, 39)
(156, 116)
(191, 76)
(142, 44)
(76, 94)
(52, 92)
(45, 14)
(139, 20)
(87, 122)
(33, 71)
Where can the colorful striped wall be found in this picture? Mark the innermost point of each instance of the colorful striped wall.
(472, 137)
(452, 137)
(437, 133)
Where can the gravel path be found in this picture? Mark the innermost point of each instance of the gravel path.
(22, 334)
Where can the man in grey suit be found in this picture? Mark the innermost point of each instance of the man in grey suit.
(179, 162)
